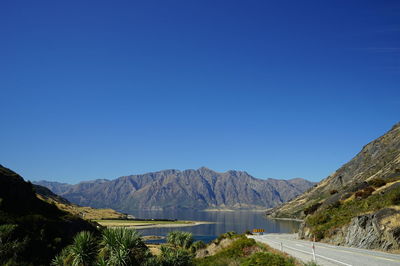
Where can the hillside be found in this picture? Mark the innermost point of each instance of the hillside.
(86, 213)
(358, 205)
(32, 231)
(172, 189)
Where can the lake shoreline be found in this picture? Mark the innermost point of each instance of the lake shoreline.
(148, 225)
(233, 210)
(285, 219)
(169, 225)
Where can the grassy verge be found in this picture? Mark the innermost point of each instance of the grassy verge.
(246, 251)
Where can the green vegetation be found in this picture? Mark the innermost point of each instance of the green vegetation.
(174, 256)
(117, 246)
(83, 250)
(323, 222)
(377, 182)
(121, 246)
(265, 258)
(229, 235)
(333, 191)
(245, 251)
(311, 263)
(197, 245)
(364, 193)
(180, 239)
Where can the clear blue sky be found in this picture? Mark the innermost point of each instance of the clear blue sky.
(282, 89)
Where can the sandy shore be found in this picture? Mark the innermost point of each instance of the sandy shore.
(145, 226)
(233, 210)
(138, 225)
(285, 219)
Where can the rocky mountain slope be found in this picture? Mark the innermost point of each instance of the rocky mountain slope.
(358, 205)
(172, 189)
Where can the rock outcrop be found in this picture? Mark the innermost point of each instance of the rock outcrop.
(379, 230)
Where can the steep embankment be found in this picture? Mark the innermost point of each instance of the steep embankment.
(189, 189)
(32, 231)
(358, 205)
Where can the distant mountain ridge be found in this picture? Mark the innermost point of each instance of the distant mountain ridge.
(189, 189)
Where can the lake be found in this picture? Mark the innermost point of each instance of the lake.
(237, 221)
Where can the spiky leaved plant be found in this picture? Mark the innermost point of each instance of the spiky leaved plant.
(83, 251)
(180, 239)
(121, 246)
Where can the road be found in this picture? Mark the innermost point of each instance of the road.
(328, 254)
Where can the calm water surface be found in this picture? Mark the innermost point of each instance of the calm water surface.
(238, 221)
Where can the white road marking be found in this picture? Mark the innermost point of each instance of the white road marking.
(320, 256)
(322, 245)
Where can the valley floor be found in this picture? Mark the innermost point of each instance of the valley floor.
(327, 254)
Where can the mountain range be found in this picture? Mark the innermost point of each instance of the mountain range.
(189, 189)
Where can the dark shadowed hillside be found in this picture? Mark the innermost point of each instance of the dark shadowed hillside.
(32, 231)
(171, 189)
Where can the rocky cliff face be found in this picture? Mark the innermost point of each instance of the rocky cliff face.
(172, 189)
(359, 204)
(378, 230)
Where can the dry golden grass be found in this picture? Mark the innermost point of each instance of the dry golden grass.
(154, 249)
(391, 221)
(385, 186)
(87, 213)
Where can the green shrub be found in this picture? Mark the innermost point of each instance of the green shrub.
(174, 257)
(333, 191)
(377, 182)
(266, 258)
(239, 247)
(229, 235)
(83, 250)
(122, 245)
(197, 246)
(312, 208)
(180, 239)
(395, 199)
(245, 251)
(365, 193)
(117, 246)
(248, 232)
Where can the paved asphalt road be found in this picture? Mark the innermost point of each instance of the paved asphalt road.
(328, 254)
